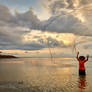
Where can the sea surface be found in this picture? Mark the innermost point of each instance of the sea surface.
(44, 75)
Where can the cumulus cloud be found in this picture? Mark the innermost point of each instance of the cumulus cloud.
(68, 16)
(12, 28)
(27, 19)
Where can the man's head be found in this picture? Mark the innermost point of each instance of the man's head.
(82, 58)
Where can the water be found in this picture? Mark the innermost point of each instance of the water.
(43, 75)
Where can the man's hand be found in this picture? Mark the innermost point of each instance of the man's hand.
(87, 57)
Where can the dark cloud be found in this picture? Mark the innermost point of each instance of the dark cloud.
(4, 14)
(33, 46)
(28, 19)
(69, 16)
(67, 24)
(12, 29)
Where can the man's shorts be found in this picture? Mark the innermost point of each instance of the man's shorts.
(82, 72)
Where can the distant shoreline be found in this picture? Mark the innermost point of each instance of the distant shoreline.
(7, 56)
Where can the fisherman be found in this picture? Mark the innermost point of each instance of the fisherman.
(82, 60)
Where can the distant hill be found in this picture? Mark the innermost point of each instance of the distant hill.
(7, 56)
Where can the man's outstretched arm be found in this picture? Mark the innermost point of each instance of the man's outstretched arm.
(77, 55)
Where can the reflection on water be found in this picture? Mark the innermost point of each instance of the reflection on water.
(42, 75)
(82, 82)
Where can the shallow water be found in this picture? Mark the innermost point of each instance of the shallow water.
(43, 75)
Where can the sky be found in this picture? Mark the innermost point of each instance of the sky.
(20, 5)
(33, 28)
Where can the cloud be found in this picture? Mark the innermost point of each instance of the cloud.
(5, 15)
(69, 16)
(28, 19)
(67, 24)
(66, 18)
(32, 46)
(12, 28)
(63, 20)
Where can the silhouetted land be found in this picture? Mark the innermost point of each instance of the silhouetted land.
(7, 56)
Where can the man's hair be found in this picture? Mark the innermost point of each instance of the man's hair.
(81, 58)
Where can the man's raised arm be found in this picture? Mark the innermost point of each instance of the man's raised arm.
(87, 57)
(77, 55)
